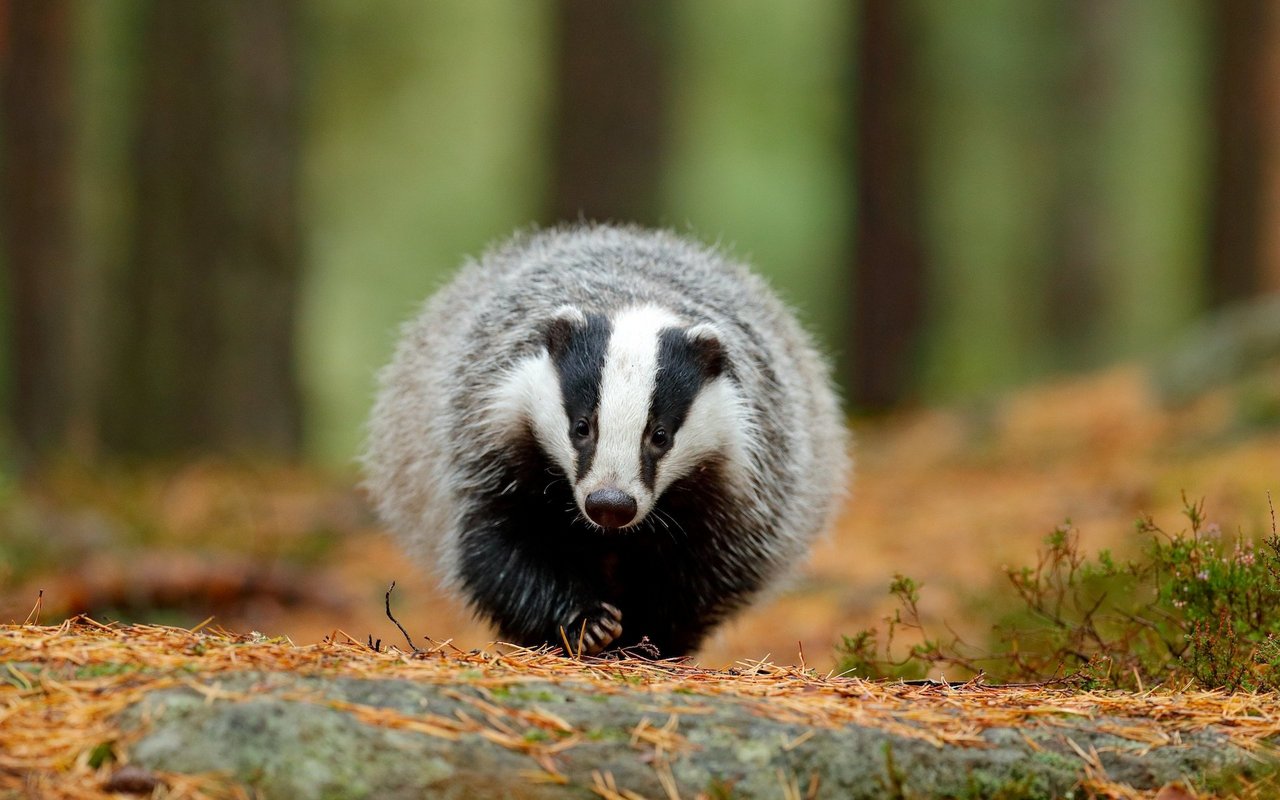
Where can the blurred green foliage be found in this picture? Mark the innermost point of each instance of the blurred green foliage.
(757, 159)
(994, 72)
(1194, 606)
(426, 131)
(426, 139)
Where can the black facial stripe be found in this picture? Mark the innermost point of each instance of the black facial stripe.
(580, 365)
(681, 375)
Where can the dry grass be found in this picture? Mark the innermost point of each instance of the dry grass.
(51, 724)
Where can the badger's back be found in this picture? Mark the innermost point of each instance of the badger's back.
(440, 462)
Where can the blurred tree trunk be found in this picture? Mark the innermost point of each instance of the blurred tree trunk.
(38, 152)
(1074, 288)
(1246, 177)
(610, 118)
(889, 262)
(1270, 122)
(205, 354)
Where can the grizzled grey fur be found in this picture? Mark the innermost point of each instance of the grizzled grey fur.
(476, 460)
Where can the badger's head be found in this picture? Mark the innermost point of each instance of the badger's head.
(626, 405)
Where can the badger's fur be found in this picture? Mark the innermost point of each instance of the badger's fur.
(600, 434)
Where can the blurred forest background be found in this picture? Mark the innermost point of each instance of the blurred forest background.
(216, 213)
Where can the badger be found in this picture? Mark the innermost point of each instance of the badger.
(600, 435)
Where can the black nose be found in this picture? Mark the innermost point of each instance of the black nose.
(611, 508)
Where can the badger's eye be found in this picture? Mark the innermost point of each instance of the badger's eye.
(659, 437)
(582, 429)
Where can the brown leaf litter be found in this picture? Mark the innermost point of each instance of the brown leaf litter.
(56, 723)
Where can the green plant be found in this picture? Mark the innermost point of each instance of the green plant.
(1195, 606)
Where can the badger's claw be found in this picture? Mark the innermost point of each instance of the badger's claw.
(594, 629)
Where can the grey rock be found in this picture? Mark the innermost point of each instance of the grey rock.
(282, 735)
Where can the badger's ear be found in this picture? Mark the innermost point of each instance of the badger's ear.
(708, 350)
(559, 328)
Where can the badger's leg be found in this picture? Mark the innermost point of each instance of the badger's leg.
(534, 595)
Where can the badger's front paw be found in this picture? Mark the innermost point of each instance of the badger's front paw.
(594, 629)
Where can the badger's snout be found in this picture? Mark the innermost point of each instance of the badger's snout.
(611, 508)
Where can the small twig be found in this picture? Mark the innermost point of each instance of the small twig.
(391, 617)
(34, 617)
(1272, 506)
(643, 649)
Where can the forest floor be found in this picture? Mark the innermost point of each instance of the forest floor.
(88, 710)
(946, 496)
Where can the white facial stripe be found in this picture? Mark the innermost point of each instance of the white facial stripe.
(531, 391)
(626, 389)
(716, 423)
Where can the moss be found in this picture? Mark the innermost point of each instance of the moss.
(607, 735)
(1023, 787)
(1055, 760)
(893, 781)
(102, 753)
(533, 696)
(1246, 780)
(20, 675)
(718, 789)
(105, 670)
